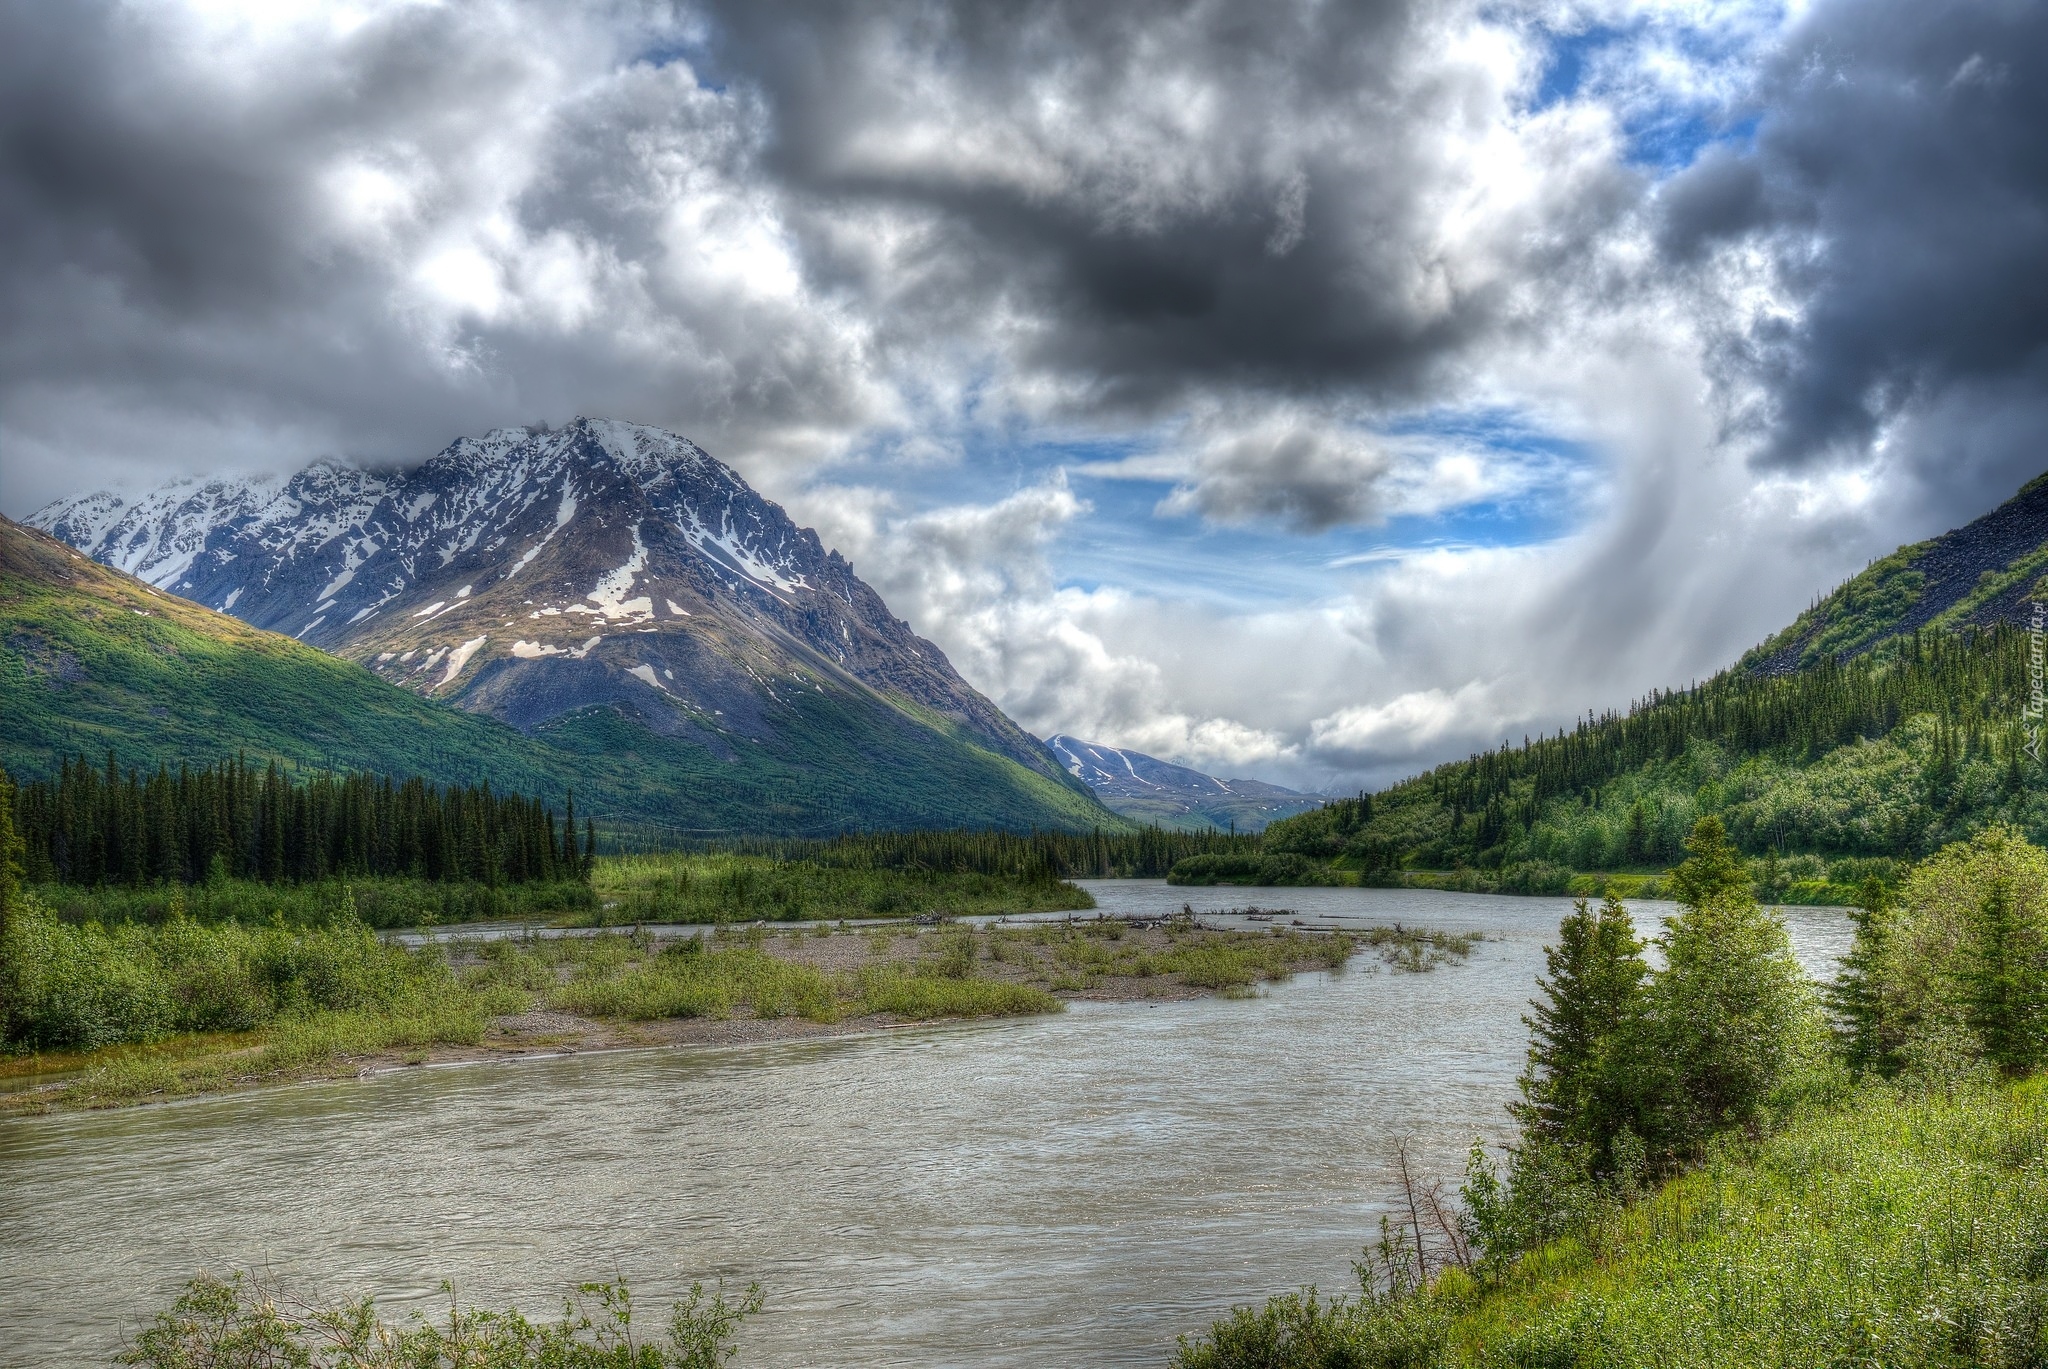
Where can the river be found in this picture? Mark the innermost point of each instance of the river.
(1076, 1189)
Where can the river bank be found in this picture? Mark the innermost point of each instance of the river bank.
(498, 999)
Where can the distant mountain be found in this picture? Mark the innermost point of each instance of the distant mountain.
(1988, 571)
(1151, 790)
(607, 589)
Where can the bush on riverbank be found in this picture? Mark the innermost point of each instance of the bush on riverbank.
(237, 1323)
(82, 987)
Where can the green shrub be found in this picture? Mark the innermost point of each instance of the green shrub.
(1936, 945)
(236, 1323)
(84, 987)
(923, 998)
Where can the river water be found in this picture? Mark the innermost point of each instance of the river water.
(1076, 1189)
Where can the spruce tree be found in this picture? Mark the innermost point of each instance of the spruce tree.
(10, 892)
(1575, 1089)
(1712, 869)
(1853, 997)
(1731, 1018)
(2004, 990)
(10, 861)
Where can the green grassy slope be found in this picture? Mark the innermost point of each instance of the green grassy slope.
(91, 659)
(1901, 1230)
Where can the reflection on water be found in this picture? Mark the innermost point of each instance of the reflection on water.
(1076, 1189)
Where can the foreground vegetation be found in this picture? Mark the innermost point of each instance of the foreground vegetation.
(1864, 1185)
(1905, 1228)
(238, 1323)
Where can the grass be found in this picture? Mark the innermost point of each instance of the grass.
(1902, 1229)
(137, 1011)
(721, 887)
(1074, 957)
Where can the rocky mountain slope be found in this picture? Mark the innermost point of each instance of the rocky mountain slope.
(1988, 571)
(1151, 790)
(542, 575)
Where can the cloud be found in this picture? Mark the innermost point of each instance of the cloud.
(371, 237)
(1894, 188)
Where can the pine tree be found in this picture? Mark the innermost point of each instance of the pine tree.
(2005, 996)
(1853, 997)
(1712, 869)
(1573, 1092)
(1729, 1019)
(10, 889)
(10, 859)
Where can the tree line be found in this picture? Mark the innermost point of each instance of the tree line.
(1966, 690)
(105, 825)
(1030, 856)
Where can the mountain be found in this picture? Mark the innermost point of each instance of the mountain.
(1988, 571)
(624, 602)
(1890, 719)
(534, 574)
(1155, 791)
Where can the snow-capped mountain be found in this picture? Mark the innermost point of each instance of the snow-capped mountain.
(529, 574)
(1152, 790)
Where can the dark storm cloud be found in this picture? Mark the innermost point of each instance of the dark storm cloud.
(1177, 198)
(1900, 180)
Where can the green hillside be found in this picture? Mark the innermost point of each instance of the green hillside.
(1824, 777)
(1987, 572)
(1889, 719)
(92, 660)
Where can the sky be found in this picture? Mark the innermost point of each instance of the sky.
(1295, 389)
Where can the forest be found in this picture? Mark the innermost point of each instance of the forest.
(105, 825)
(1147, 853)
(1824, 776)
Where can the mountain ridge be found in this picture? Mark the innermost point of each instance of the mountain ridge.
(1990, 570)
(1152, 790)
